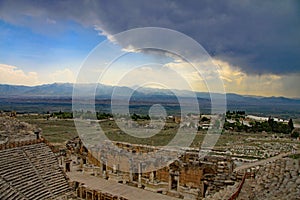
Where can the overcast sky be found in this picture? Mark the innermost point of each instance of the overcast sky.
(255, 43)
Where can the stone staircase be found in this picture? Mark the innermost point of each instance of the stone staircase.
(30, 172)
(47, 166)
(9, 192)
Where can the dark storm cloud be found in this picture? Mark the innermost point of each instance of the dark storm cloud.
(258, 36)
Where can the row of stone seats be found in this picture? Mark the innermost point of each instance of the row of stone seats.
(32, 172)
(279, 179)
(46, 163)
(16, 169)
(8, 193)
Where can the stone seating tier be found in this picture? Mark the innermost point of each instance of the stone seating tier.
(31, 172)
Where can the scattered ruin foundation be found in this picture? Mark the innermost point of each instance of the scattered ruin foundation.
(187, 177)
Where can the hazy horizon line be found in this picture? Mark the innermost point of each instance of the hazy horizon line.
(131, 87)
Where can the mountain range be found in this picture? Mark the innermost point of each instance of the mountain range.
(12, 96)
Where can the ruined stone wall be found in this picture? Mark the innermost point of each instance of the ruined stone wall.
(163, 174)
(187, 173)
(88, 194)
(14, 144)
(92, 160)
(191, 176)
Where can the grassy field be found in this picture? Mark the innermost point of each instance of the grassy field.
(55, 130)
(58, 131)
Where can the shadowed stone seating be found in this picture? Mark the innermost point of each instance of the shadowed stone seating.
(31, 172)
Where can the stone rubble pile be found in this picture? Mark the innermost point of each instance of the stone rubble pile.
(222, 178)
(223, 194)
(262, 151)
(13, 129)
(277, 180)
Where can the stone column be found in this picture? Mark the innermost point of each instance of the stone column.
(101, 168)
(130, 175)
(130, 171)
(114, 168)
(81, 191)
(95, 171)
(170, 182)
(81, 163)
(140, 175)
(104, 174)
(151, 178)
(76, 159)
(61, 160)
(106, 169)
(178, 183)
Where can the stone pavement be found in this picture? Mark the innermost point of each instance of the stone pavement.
(118, 189)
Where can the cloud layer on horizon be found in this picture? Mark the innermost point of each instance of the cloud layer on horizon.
(260, 37)
(13, 75)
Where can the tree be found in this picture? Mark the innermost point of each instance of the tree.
(205, 119)
(295, 134)
(272, 123)
(291, 124)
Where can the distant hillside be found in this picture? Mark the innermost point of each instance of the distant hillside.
(55, 89)
(18, 97)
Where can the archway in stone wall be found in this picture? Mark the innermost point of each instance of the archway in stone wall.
(204, 189)
(174, 173)
(208, 173)
(135, 177)
(174, 181)
(68, 166)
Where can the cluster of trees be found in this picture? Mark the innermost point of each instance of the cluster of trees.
(103, 115)
(295, 134)
(237, 126)
(62, 115)
(235, 114)
(272, 126)
(205, 119)
(81, 114)
(267, 126)
(136, 117)
(91, 115)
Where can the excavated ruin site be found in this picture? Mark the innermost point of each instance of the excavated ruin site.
(31, 168)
